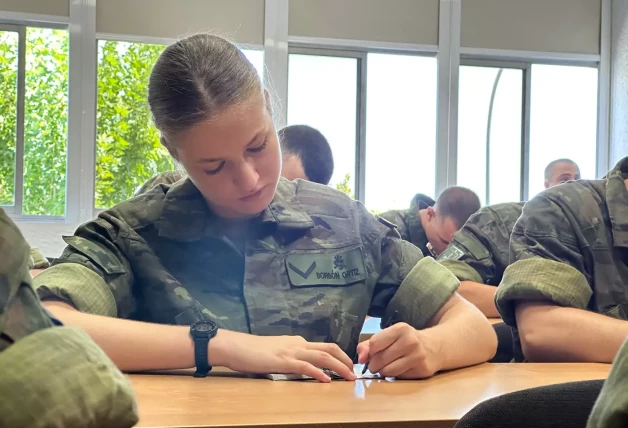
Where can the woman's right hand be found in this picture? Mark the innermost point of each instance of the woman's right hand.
(279, 354)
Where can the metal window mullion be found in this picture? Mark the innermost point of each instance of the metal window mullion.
(20, 125)
(360, 167)
(525, 130)
(603, 149)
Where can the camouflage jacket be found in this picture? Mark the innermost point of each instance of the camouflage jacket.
(569, 247)
(313, 264)
(50, 376)
(408, 221)
(611, 408)
(168, 177)
(479, 251)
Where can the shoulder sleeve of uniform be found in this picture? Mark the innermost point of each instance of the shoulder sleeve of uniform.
(611, 408)
(93, 392)
(396, 218)
(546, 262)
(93, 273)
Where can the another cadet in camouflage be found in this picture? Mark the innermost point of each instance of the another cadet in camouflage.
(50, 376)
(479, 252)
(568, 248)
(313, 264)
(611, 407)
(168, 177)
(408, 221)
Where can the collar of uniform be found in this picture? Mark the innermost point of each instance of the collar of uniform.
(416, 231)
(617, 202)
(421, 201)
(184, 215)
(285, 210)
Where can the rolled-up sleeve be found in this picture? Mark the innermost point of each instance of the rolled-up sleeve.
(546, 264)
(92, 274)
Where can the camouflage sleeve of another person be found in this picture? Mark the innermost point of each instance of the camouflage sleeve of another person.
(611, 408)
(168, 177)
(50, 375)
(546, 263)
(397, 217)
(478, 253)
(410, 288)
(92, 274)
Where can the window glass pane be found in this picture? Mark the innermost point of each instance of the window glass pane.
(45, 121)
(322, 93)
(8, 114)
(563, 120)
(478, 86)
(257, 59)
(400, 130)
(128, 150)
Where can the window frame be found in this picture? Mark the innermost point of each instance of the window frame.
(526, 67)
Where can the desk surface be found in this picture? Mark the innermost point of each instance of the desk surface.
(230, 400)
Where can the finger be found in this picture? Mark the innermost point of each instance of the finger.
(386, 337)
(307, 369)
(393, 353)
(324, 360)
(334, 350)
(363, 352)
(397, 368)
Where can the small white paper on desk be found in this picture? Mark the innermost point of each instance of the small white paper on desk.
(357, 369)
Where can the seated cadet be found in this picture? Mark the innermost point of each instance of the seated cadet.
(479, 254)
(611, 408)
(50, 376)
(306, 154)
(566, 289)
(561, 171)
(290, 268)
(430, 225)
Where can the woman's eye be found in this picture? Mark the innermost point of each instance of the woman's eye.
(259, 148)
(214, 171)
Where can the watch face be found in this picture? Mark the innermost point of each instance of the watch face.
(203, 327)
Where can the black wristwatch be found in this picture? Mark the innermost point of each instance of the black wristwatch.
(202, 332)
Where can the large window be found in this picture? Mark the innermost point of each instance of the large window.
(400, 130)
(490, 133)
(128, 150)
(33, 120)
(563, 120)
(322, 93)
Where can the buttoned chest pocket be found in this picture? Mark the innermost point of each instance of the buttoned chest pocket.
(329, 294)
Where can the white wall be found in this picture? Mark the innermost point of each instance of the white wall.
(47, 237)
(619, 81)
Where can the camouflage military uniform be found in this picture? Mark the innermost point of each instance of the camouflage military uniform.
(479, 252)
(50, 376)
(408, 221)
(313, 264)
(611, 407)
(168, 177)
(37, 260)
(569, 247)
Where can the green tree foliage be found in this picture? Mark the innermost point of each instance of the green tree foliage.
(343, 186)
(45, 121)
(8, 112)
(128, 150)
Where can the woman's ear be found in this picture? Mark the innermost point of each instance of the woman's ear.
(168, 146)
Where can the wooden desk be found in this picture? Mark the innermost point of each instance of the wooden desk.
(371, 326)
(223, 400)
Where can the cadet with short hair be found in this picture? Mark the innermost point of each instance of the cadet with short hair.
(430, 225)
(289, 269)
(566, 288)
(50, 376)
(479, 253)
(561, 171)
(306, 154)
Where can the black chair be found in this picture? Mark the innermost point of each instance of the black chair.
(565, 405)
(505, 349)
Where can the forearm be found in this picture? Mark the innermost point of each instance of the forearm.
(481, 295)
(461, 336)
(138, 346)
(551, 333)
